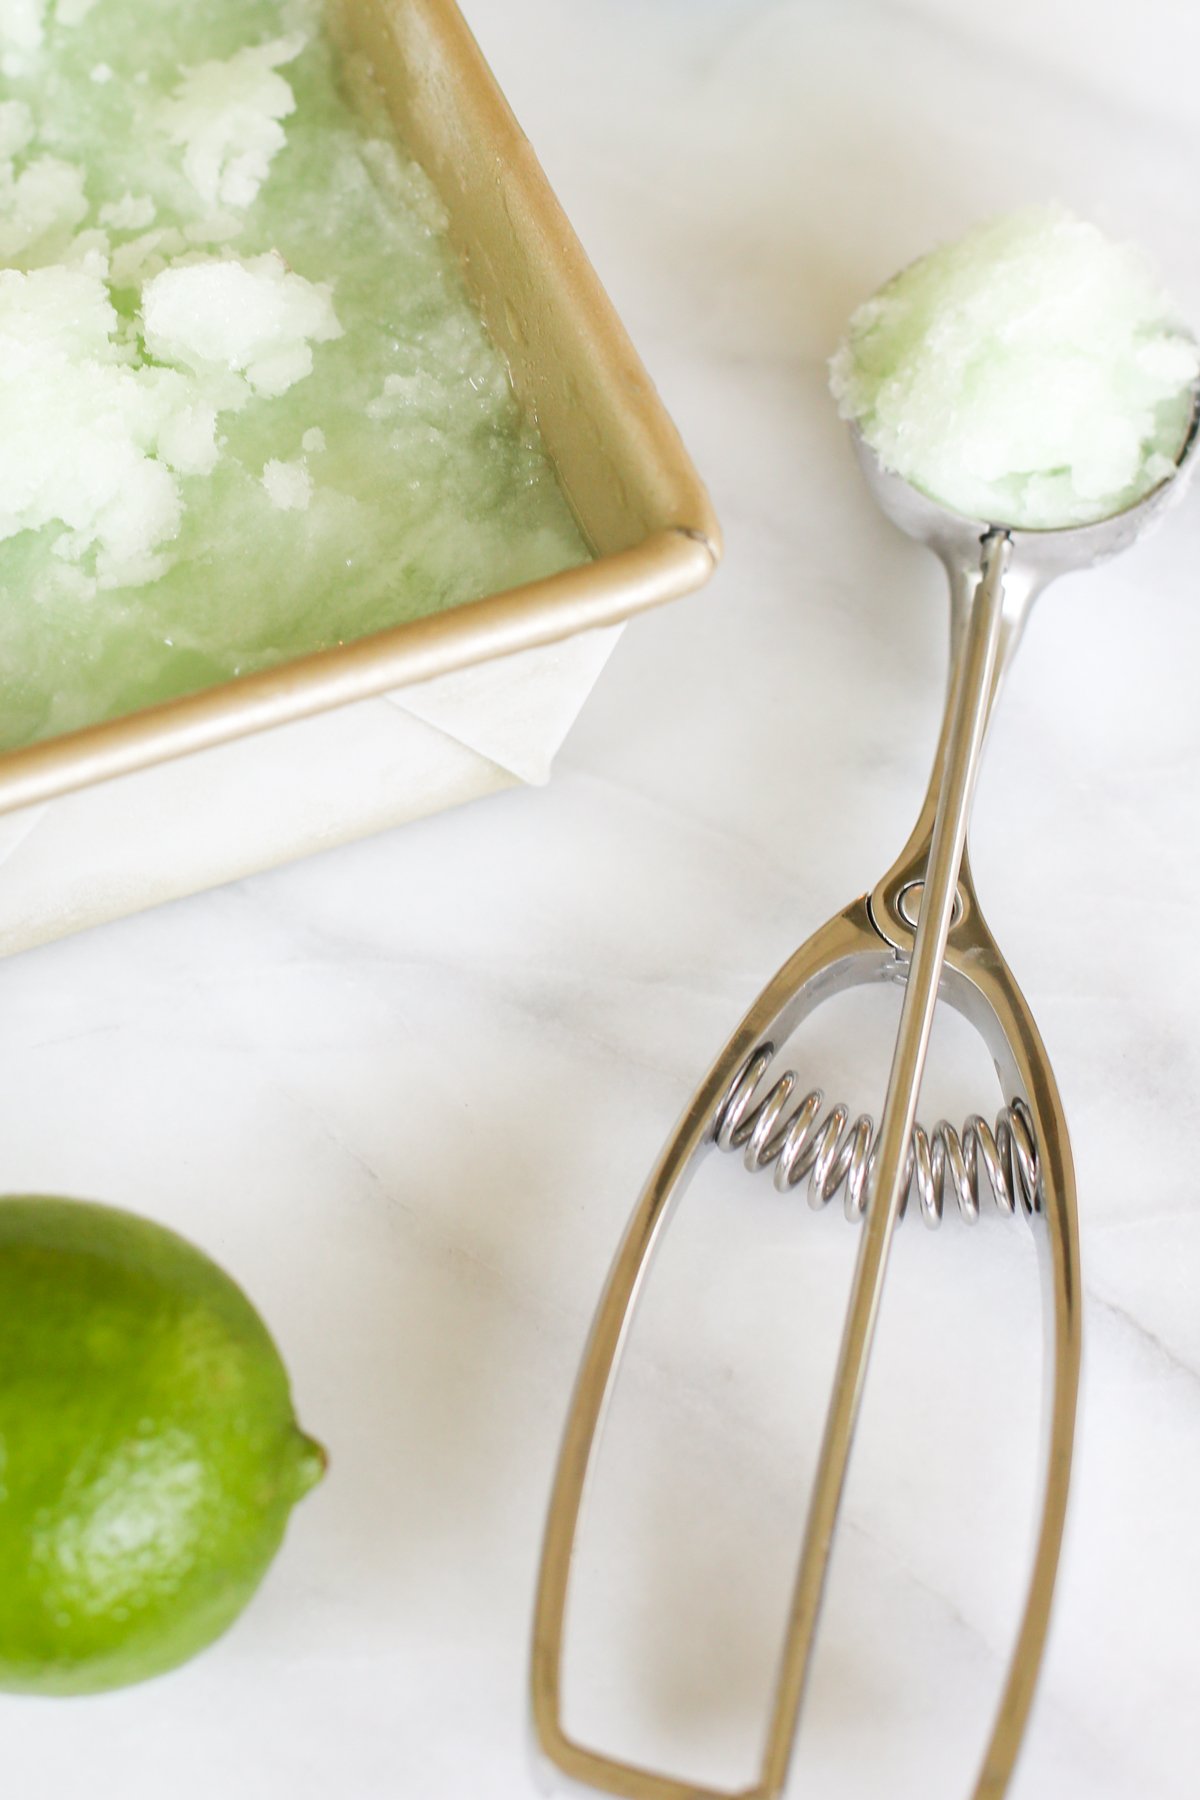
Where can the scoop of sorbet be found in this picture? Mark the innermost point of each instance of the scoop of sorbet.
(1033, 374)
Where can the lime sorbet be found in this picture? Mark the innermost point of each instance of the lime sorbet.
(247, 409)
(1033, 374)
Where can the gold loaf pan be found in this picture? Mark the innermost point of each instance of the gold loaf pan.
(336, 744)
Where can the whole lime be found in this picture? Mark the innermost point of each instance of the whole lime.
(149, 1454)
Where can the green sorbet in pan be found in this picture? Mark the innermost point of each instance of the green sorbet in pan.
(247, 409)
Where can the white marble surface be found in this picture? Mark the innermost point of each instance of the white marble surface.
(406, 1092)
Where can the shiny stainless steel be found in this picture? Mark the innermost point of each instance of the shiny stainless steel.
(759, 1118)
(995, 573)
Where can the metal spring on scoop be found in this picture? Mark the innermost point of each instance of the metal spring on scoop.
(766, 1125)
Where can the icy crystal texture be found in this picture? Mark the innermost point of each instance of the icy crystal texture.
(1032, 374)
(247, 409)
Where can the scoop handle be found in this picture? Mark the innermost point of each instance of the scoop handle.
(969, 702)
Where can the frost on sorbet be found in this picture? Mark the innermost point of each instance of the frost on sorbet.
(22, 25)
(87, 442)
(23, 28)
(92, 443)
(132, 212)
(288, 484)
(16, 127)
(255, 318)
(1033, 374)
(226, 115)
(45, 196)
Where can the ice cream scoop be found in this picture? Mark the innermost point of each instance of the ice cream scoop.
(921, 926)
